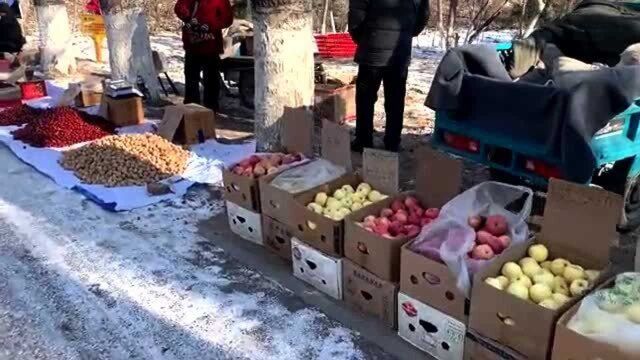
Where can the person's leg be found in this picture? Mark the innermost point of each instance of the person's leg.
(395, 88)
(367, 86)
(212, 83)
(192, 70)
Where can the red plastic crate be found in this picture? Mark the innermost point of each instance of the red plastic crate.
(335, 45)
(33, 89)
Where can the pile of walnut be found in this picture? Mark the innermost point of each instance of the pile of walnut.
(126, 160)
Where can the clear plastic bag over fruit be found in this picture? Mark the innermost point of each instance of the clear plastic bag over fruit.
(450, 238)
(308, 176)
(612, 315)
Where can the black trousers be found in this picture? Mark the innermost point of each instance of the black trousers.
(209, 66)
(367, 86)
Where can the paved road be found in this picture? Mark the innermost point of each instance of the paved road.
(77, 282)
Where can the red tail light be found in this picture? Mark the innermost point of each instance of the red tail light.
(461, 143)
(543, 169)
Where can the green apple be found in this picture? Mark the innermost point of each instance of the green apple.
(539, 292)
(374, 196)
(364, 188)
(315, 208)
(348, 189)
(356, 206)
(539, 252)
(518, 290)
(573, 272)
(333, 204)
(633, 313)
(504, 281)
(339, 194)
(558, 265)
(494, 282)
(527, 260)
(578, 287)
(511, 270)
(550, 304)
(546, 265)
(321, 198)
(543, 277)
(531, 268)
(561, 299)
(524, 280)
(560, 286)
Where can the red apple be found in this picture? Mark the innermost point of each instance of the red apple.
(483, 237)
(417, 210)
(259, 170)
(432, 213)
(297, 156)
(238, 170)
(425, 221)
(482, 252)
(382, 220)
(248, 172)
(254, 159)
(505, 240)
(412, 230)
(400, 217)
(413, 219)
(496, 225)
(475, 222)
(496, 245)
(411, 202)
(288, 159)
(396, 228)
(369, 220)
(397, 205)
(386, 212)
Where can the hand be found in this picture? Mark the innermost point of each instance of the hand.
(204, 27)
(193, 21)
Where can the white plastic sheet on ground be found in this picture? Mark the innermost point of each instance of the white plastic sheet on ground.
(451, 238)
(204, 166)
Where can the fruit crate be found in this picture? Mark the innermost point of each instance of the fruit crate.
(335, 45)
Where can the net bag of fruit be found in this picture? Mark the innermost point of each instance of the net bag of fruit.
(612, 315)
(474, 227)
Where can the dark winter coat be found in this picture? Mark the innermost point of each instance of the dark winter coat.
(383, 29)
(204, 21)
(11, 40)
(595, 31)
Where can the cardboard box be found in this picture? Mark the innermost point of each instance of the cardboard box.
(317, 269)
(335, 102)
(579, 225)
(245, 191)
(88, 98)
(277, 237)
(369, 294)
(438, 179)
(188, 124)
(123, 111)
(478, 348)
(570, 345)
(430, 330)
(9, 92)
(326, 234)
(245, 223)
(279, 204)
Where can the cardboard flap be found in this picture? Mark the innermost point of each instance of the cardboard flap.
(438, 177)
(170, 121)
(380, 169)
(297, 131)
(69, 94)
(336, 144)
(581, 219)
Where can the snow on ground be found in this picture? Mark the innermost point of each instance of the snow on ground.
(77, 282)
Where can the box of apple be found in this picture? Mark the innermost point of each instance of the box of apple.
(344, 201)
(404, 219)
(547, 282)
(259, 165)
(491, 236)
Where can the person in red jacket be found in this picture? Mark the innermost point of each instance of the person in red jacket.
(202, 38)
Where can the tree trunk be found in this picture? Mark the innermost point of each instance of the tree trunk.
(451, 37)
(283, 67)
(323, 29)
(129, 47)
(523, 17)
(541, 7)
(440, 23)
(55, 37)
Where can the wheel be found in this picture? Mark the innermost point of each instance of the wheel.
(246, 88)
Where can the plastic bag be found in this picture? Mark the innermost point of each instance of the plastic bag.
(612, 315)
(450, 238)
(308, 176)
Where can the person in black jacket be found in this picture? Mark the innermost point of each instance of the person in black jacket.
(383, 31)
(11, 40)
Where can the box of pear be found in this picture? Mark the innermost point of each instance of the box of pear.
(520, 297)
(374, 235)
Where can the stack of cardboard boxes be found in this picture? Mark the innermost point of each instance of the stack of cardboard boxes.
(386, 279)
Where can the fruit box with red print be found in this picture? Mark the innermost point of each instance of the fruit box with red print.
(375, 234)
